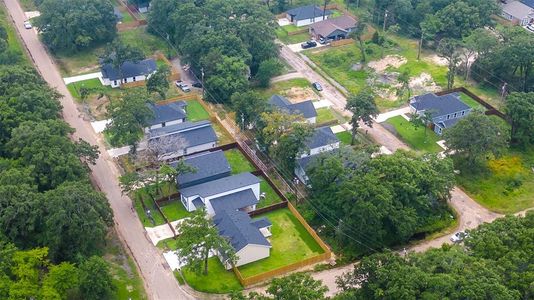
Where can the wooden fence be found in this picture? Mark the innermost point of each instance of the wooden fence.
(133, 84)
(303, 30)
(341, 42)
(248, 281)
(490, 109)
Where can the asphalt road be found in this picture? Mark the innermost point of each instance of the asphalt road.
(158, 279)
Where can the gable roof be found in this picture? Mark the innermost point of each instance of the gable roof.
(322, 136)
(328, 26)
(439, 105)
(304, 108)
(518, 10)
(261, 223)
(167, 112)
(234, 201)
(307, 12)
(221, 185)
(238, 228)
(208, 165)
(185, 134)
(129, 69)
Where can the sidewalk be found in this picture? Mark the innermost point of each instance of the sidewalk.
(161, 232)
(83, 77)
(390, 114)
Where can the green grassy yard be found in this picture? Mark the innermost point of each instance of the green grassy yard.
(344, 137)
(290, 242)
(145, 220)
(175, 210)
(470, 101)
(224, 137)
(324, 115)
(218, 280)
(238, 162)
(415, 137)
(282, 33)
(507, 184)
(93, 84)
(271, 197)
(195, 111)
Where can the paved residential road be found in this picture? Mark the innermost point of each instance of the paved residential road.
(158, 278)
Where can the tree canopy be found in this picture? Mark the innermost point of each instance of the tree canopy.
(520, 109)
(72, 25)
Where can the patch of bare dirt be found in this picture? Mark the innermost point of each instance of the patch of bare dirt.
(435, 59)
(394, 61)
(97, 108)
(299, 94)
(423, 83)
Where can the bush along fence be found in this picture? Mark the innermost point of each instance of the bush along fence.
(327, 253)
(490, 110)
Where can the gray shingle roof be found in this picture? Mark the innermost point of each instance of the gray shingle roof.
(167, 112)
(305, 108)
(529, 3)
(208, 165)
(129, 69)
(328, 26)
(261, 223)
(186, 134)
(439, 105)
(322, 136)
(221, 185)
(234, 201)
(237, 227)
(307, 12)
(519, 10)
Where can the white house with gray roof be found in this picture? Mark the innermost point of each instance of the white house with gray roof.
(182, 139)
(129, 72)
(518, 12)
(306, 15)
(167, 114)
(304, 108)
(323, 140)
(445, 110)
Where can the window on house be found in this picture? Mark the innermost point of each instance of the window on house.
(463, 112)
(448, 117)
(163, 124)
(115, 82)
(134, 78)
(455, 115)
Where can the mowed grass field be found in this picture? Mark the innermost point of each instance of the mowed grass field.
(415, 137)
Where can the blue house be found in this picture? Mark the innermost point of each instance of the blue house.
(323, 140)
(208, 166)
(305, 108)
(129, 72)
(167, 114)
(446, 110)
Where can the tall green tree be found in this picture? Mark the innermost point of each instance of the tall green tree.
(357, 33)
(267, 70)
(128, 118)
(520, 109)
(422, 120)
(159, 82)
(230, 76)
(248, 107)
(199, 236)
(476, 136)
(363, 108)
(73, 25)
(448, 50)
(96, 281)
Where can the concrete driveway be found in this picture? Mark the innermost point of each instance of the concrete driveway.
(297, 48)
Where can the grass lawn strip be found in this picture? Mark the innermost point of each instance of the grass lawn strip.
(271, 197)
(506, 186)
(238, 162)
(224, 137)
(218, 280)
(290, 242)
(93, 83)
(325, 115)
(415, 137)
(196, 112)
(175, 210)
(471, 102)
(344, 137)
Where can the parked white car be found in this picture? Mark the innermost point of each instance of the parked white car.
(183, 86)
(458, 237)
(27, 25)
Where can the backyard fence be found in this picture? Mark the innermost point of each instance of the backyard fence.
(491, 110)
(303, 30)
(341, 42)
(327, 254)
(133, 84)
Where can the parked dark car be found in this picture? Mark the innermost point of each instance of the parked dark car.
(317, 86)
(197, 85)
(308, 44)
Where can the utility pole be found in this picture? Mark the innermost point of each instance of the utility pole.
(384, 33)
(420, 44)
(385, 19)
(324, 9)
(503, 90)
(243, 121)
(202, 76)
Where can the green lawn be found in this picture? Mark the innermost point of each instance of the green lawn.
(175, 210)
(506, 186)
(271, 197)
(344, 137)
(283, 34)
(238, 162)
(126, 17)
(224, 137)
(415, 137)
(324, 115)
(13, 42)
(195, 111)
(167, 244)
(93, 84)
(290, 242)
(282, 86)
(147, 42)
(470, 101)
(218, 280)
(158, 218)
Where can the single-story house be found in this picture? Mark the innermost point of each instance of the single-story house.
(305, 108)
(131, 72)
(208, 166)
(445, 110)
(167, 114)
(333, 29)
(247, 236)
(306, 15)
(518, 12)
(323, 140)
(183, 138)
(244, 189)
